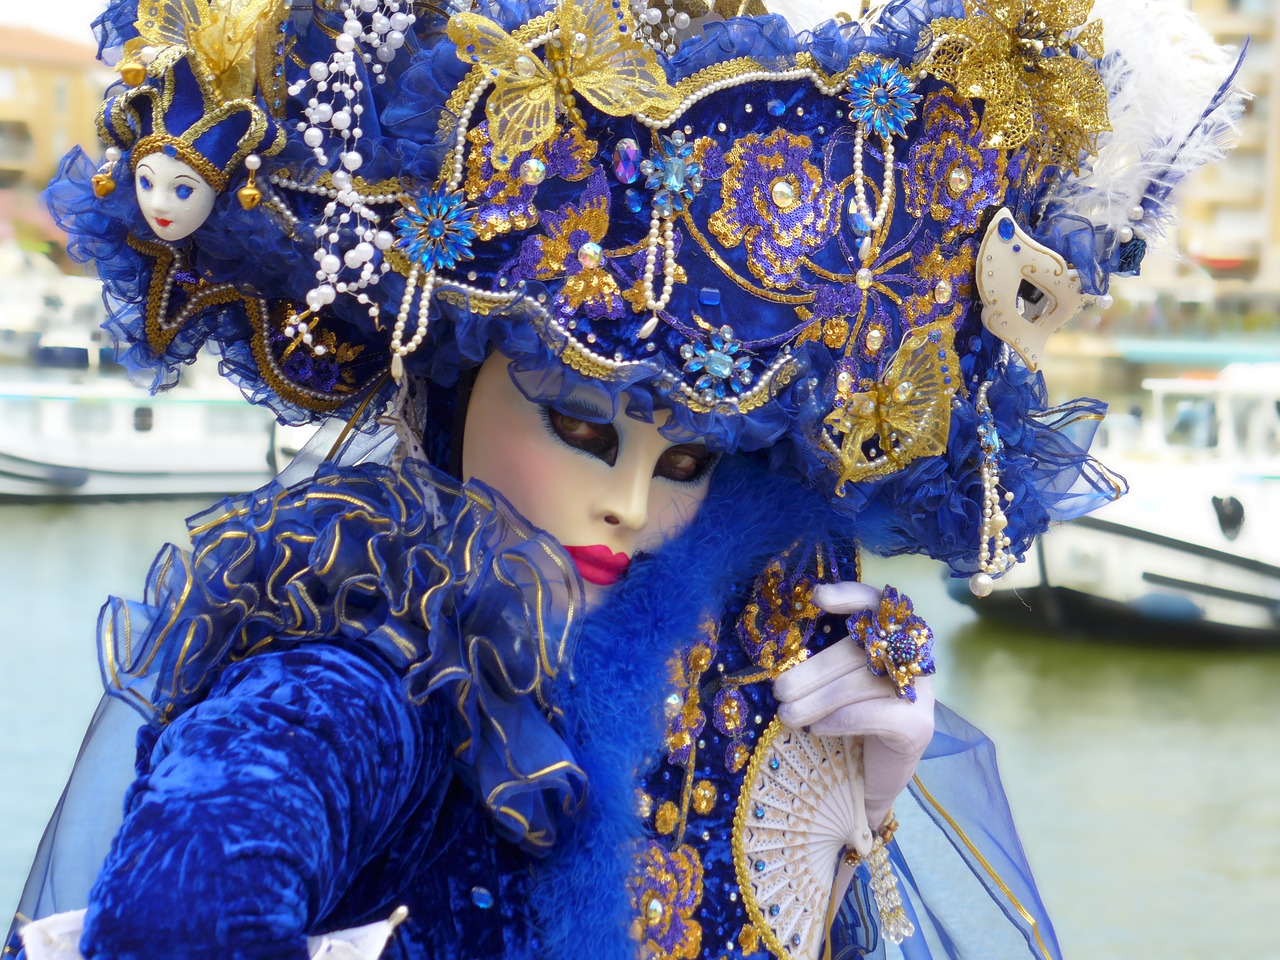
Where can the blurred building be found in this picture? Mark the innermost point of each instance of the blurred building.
(50, 90)
(1231, 210)
(1217, 284)
(1229, 234)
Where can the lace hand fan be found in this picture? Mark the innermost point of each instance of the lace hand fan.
(800, 814)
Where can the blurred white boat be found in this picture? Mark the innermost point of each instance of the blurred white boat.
(73, 426)
(1195, 545)
(87, 433)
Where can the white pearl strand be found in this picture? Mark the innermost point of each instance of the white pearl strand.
(859, 188)
(993, 556)
(668, 269)
(338, 117)
(797, 73)
(399, 348)
(162, 306)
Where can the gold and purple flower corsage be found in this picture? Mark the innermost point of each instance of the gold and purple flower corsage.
(898, 643)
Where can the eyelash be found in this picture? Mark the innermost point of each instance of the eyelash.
(606, 450)
(606, 447)
(705, 463)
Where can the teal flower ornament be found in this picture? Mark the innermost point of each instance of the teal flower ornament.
(722, 369)
(675, 178)
(880, 98)
(436, 229)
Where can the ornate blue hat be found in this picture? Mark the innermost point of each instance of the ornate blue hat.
(844, 246)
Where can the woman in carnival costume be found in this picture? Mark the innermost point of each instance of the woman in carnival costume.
(635, 325)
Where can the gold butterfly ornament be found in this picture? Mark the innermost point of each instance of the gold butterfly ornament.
(879, 429)
(593, 52)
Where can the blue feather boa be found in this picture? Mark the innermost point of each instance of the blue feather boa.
(614, 710)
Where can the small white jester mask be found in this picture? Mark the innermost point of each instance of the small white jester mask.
(174, 199)
(1028, 291)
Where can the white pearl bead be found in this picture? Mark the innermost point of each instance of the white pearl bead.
(981, 584)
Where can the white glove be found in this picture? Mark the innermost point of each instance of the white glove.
(834, 693)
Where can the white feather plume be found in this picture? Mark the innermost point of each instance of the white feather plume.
(1170, 114)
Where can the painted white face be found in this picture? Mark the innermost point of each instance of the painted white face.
(174, 198)
(604, 490)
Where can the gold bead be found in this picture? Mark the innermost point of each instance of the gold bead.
(103, 185)
(132, 72)
(249, 196)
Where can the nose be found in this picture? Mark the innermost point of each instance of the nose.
(624, 500)
(161, 202)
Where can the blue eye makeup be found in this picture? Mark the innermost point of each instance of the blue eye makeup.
(144, 182)
(184, 191)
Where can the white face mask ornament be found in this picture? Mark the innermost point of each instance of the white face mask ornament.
(1028, 291)
(604, 490)
(174, 199)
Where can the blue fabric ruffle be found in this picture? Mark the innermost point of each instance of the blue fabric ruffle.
(446, 580)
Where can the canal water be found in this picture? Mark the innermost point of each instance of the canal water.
(1145, 781)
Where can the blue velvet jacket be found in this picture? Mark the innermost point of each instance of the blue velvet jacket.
(347, 715)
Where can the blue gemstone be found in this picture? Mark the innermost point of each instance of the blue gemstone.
(626, 160)
(169, 150)
(880, 96)
(776, 107)
(774, 909)
(635, 202)
(759, 865)
(709, 297)
(436, 228)
(719, 365)
(775, 764)
(759, 813)
(1017, 248)
(481, 897)
(1006, 229)
(673, 174)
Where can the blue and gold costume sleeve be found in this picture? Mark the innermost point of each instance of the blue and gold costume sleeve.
(261, 810)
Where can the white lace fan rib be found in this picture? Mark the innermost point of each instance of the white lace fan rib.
(800, 809)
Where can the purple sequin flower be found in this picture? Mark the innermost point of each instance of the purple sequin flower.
(880, 97)
(776, 202)
(665, 894)
(899, 644)
(505, 199)
(729, 712)
(948, 174)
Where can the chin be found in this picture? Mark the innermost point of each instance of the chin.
(170, 234)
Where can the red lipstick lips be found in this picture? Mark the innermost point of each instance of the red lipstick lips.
(162, 223)
(599, 565)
